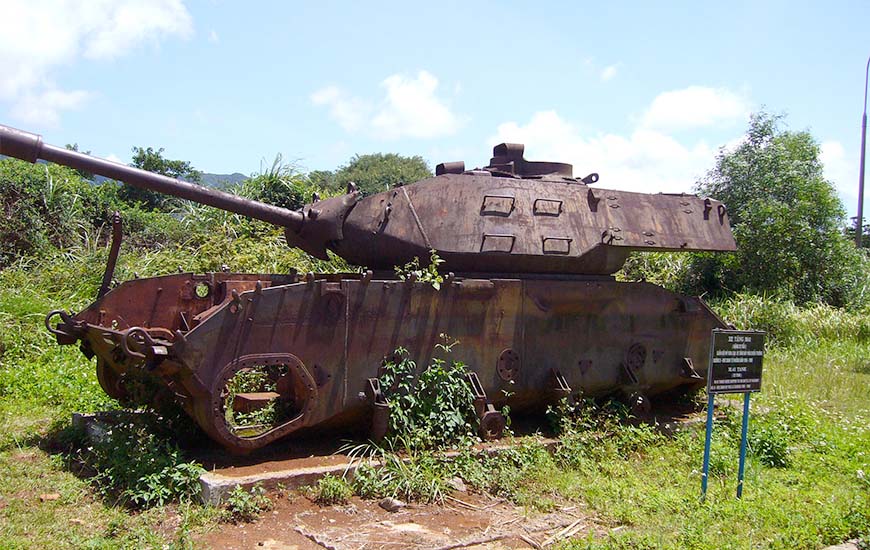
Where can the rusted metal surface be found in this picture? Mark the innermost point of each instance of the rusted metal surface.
(530, 249)
(114, 250)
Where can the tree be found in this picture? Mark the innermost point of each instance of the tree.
(153, 161)
(374, 173)
(786, 216)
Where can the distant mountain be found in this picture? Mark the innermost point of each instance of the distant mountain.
(222, 180)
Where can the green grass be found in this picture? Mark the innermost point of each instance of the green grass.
(79, 518)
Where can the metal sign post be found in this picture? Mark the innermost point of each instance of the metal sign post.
(735, 367)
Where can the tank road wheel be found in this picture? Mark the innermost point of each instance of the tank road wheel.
(110, 381)
(260, 398)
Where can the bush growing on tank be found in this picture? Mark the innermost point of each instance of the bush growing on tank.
(431, 408)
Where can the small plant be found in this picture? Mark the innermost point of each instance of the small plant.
(136, 465)
(417, 476)
(246, 506)
(332, 490)
(432, 409)
(255, 379)
(591, 431)
(428, 274)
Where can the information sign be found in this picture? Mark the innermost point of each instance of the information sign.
(735, 361)
(735, 367)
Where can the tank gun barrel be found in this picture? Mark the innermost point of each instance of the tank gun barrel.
(27, 146)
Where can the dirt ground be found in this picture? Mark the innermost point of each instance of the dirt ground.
(472, 521)
(463, 520)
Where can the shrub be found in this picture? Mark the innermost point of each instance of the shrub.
(246, 506)
(331, 490)
(136, 465)
(434, 408)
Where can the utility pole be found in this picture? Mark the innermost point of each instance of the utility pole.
(860, 221)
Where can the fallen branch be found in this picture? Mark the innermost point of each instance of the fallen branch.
(563, 533)
(463, 503)
(531, 542)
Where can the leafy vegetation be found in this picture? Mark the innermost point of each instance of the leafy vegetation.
(258, 420)
(432, 408)
(373, 173)
(137, 463)
(429, 274)
(147, 158)
(245, 506)
(332, 490)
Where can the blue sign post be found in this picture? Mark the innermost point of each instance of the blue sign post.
(735, 367)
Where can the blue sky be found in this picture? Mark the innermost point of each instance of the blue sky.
(643, 93)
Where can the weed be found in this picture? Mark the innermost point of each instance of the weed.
(259, 420)
(430, 409)
(245, 506)
(135, 465)
(332, 490)
(418, 476)
(428, 274)
(592, 431)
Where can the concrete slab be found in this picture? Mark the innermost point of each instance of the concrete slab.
(299, 472)
(215, 486)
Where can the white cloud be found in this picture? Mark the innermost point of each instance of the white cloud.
(410, 108)
(349, 112)
(213, 37)
(695, 107)
(38, 36)
(608, 72)
(44, 107)
(645, 161)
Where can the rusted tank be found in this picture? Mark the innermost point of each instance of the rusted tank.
(529, 293)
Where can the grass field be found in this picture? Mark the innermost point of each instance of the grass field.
(808, 476)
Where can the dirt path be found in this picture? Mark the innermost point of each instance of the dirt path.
(474, 521)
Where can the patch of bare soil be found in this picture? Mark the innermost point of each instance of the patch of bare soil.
(474, 521)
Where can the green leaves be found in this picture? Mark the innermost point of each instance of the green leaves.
(147, 158)
(432, 409)
(373, 173)
(787, 220)
(245, 506)
(428, 274)
(139, 467)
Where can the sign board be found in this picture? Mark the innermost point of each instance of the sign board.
(735, 361)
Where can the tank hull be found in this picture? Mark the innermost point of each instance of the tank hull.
(529, 340)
